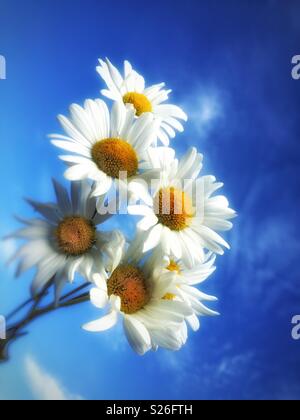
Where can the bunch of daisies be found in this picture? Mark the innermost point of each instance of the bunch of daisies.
(120, 156)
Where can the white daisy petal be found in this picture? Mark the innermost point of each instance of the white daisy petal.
(153, 313)
(97, 119)
(72, 268)
(137, 335)
(163, 137)
(103, 115)
(139, 83)
(62, 197)
(133, 82)
(44, 247)
(175, 124)
(161, 157)
(152, 91)
(166, 338)
(46, 270)
(102, 324)
(103, 186)
(138, 128)
(186, 162)
(118, 116)
(49, 211)
(98, 297)
(153, 238)
(168, 110)
(109, 77)
(115, 303)
(140, 210)
(72, 132)
(83, 122)
(140, 190)
(100, 281)
(147, 223)
(128, 122)
(202, 309)
(127, 68)
(31, 254)
(211, 238)
(169, 130)
(194, 322)
(109, 94)
(77, 172)
(175, 245)
(72, 147)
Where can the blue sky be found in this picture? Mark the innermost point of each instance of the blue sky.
(229, 65)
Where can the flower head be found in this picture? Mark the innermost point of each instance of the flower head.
(105, 147)
(183, 282)
(180, 214)
(131, 291)
(65, 239)
(130, 89)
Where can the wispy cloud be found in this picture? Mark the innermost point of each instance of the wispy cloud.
(265, 249)
(204, 107)
(231, 366)
(213, 376)
(45, 386)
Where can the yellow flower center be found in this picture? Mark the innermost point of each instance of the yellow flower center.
(140, 102)
(75, 235)
(128, 282)
(113, 156)
(173, 208)
(173, 266)
(169, 296)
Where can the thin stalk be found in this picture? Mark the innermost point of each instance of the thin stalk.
(15, 331)
(22, 306)
(73, 292)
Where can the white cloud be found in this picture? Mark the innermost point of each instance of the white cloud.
(204, 107)
(44, 386)
(231, 366)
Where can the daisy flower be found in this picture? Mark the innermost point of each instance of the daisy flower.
(105, 148)
(131, 89)
(65, 240)
(130, 291)
(180, 213)
(181, 282)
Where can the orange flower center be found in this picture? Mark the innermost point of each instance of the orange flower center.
(113, 156)
(75, 235)
(173, 208)
(128, 282)
(140, 102)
